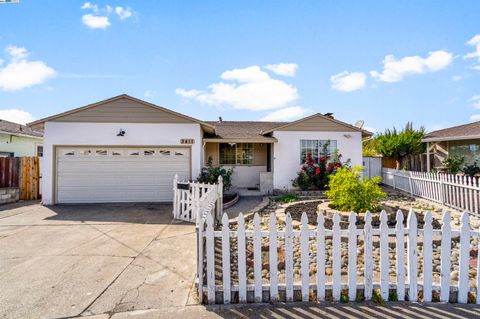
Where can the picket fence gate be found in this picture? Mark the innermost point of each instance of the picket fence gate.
(459, 192)
(215, 255)
(193, 200)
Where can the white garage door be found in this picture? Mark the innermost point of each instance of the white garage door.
(103, 174)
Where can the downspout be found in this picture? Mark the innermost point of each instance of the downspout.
(428, 157)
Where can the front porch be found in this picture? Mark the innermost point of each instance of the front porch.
(251, 161)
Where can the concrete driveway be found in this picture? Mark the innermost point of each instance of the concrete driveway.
(65, 261)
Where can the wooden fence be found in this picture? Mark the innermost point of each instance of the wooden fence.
(21, 172)
(229, 255)
(193, 200)
(460, 192)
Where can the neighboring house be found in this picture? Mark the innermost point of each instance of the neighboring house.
(19, 140)
(127, 150)
(462, 140)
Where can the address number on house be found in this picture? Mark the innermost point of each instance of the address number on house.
(187, 141)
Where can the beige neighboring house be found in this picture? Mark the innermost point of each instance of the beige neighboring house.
(19, 140)
(124, 149)
(462, 140)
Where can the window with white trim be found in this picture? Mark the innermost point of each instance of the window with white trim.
(236, 154)
(316, 148)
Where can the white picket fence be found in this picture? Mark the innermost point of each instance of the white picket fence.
(460, 192)
(193, 200)
(219, 283)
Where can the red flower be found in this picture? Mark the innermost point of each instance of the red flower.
(311, 163)
(317, 171)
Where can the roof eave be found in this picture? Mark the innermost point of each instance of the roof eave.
(450, 138)
(240, 140)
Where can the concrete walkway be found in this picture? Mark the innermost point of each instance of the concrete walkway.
(66, 261)
(244, 205)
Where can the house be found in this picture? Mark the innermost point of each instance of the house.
(462, 140)
(19, 140)
(127, 150)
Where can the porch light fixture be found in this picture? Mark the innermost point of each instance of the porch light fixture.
(121, 133)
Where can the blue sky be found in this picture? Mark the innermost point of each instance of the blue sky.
(387, 62)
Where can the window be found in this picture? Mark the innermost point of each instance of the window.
(316, 148)
(40, 150)
(236, 154)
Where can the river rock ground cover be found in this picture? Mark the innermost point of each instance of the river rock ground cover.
(394, 202)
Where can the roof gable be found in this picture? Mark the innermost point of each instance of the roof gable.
(122, 109)
(316, 122)
(465, 131)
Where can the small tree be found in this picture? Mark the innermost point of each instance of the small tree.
(349, 192)
(210, 174)
(397, 144)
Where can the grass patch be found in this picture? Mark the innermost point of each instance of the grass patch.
(287, 198)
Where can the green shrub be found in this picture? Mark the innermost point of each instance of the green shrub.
(453, 163)
(471, 170)
(287, 198)
(349, 192)
(210, 174)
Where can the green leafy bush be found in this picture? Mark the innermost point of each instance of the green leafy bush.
(210, 174)
(471, 170)
(287, 198)
(453, 163)
(349, 192)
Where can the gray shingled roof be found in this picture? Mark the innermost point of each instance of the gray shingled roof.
(242, 129)
(14, 128)
(461, 131)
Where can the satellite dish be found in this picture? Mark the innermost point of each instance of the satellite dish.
(359, 124)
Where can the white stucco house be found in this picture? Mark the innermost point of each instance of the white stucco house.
(127, 150)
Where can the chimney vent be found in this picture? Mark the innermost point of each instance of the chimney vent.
(220, 119)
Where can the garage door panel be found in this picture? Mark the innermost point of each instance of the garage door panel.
(91, 175)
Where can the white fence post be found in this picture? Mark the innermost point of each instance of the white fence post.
(289, 257)
(412, 256)
(320, 257)
(257, 258)
(241, 258)
(352, 257)
(210, 260)
(384, 266)
(337, 257)
(305, 257)
(445, 258)
(368, 262)
(273, 258)
(400, 257)
(427, 257)
(463, 281)
(226, 259)
(175, 196)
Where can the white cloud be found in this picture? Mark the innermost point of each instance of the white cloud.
(16, 116)
(475, 42)
(288, 113)
(347, 82)
(95, 22)
(123, 13)
(394, 70)
(475, 101)
(247, 88)
(187, 93)
(20, 73)
(100, 19)
(89, 6)
(475, 117)
(285, 69)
